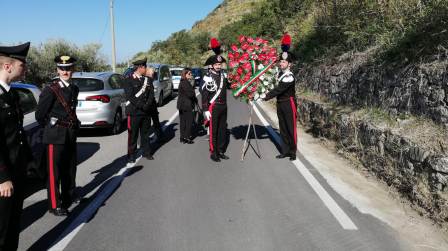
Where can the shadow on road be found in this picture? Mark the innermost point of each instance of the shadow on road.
(169, 133)
(35, 211)
(239, 133)
(86, 207)
(86, 150)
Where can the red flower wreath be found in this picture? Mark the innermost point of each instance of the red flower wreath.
(251, 68)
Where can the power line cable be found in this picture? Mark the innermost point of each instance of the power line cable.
(105, 27)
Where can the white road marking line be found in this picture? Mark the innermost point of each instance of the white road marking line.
(75, 226)
(329, 202)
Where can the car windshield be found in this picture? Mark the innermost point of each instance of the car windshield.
(176, 72)
(88, 84)
(196, 72)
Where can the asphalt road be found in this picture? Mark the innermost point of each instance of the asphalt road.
(182, 200)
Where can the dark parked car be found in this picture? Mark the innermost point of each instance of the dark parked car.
(28, 98)
(198, 73)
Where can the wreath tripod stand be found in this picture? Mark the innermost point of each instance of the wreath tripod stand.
(247, 140)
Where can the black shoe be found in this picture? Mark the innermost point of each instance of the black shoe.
(215, 158)
(189, 141)
(59, 211)
(182, 140)
(77, 200)
(131, 159)
(223, 156)
(281, 156)
(292, 157)
(148, 156)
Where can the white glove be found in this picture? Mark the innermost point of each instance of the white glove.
(207, 115)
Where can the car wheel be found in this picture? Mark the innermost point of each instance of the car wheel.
(118, 121)
(160, 101)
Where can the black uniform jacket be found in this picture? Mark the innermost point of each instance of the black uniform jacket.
(49, 107)
(15, 152)
(143, 104)
(186, 96)
(285, 88)
(207, 95)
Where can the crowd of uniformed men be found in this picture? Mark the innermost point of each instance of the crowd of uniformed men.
(56, 113)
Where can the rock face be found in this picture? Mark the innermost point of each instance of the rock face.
(419, 173)
(413, 89)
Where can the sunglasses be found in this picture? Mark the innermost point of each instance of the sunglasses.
(65, 68)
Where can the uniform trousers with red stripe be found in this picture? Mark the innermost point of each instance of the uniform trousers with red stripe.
(62, 160)
(138, 124)
(218, 128)
(287, 120)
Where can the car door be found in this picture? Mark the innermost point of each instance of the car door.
(28, 104)
(116, 82)
(119, 79)
(165, 78)
(28, 99)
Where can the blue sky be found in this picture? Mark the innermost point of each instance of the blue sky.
(138, 23)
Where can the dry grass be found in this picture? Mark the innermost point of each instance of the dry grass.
(228, 12)
(421, 131)
(418, 130)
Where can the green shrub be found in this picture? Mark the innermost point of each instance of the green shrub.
(41, 66)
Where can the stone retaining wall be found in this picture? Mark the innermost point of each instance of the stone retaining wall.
(419, 174)
(418, 89)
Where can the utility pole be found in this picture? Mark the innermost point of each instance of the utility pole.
(113, 34)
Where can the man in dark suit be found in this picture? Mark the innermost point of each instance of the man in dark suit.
(15, 152)
(140, 99)
(56, 112)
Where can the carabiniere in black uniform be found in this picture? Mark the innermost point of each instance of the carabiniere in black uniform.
(138, 109)
(56, 112)
(286, 109)
(213, 83)
(15, 153)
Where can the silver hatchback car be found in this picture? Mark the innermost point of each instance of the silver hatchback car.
(163, 85)
(101, 100)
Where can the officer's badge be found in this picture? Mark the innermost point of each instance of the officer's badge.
(64, 59)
